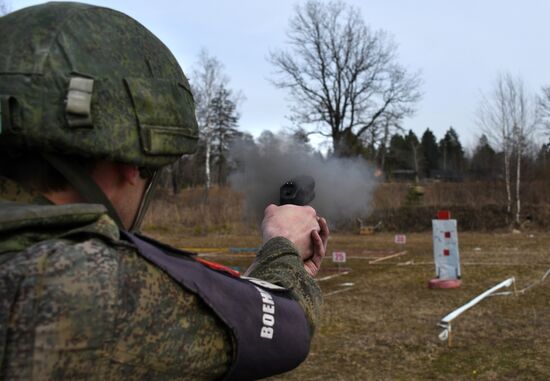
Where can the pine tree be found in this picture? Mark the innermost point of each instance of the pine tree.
(543, 161)
(484, 160)
(452, 155)
(430, 152)
(414, 152)
(397, 154)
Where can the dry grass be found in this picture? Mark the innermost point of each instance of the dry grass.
(479, 206)
(191, 214)
(384, 328)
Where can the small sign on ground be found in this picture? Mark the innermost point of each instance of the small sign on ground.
(338, 257)
(400, 239)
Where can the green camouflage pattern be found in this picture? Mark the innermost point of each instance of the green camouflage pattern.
(278, 262)
(78, 303)
(12, 191)
(142, 109)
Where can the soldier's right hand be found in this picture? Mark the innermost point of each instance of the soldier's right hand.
(295, 223)
(320, 240)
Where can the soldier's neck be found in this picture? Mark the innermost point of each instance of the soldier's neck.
(66, 196)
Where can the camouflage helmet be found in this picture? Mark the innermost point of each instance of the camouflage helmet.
(90, 81)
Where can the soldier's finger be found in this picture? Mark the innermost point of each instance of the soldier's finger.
(318, 249)
(324, 231)
(310, 268)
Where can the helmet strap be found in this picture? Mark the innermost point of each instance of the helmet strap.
(79, 178)
(145, 201)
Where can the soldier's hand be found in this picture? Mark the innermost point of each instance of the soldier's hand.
(320, 241)
(295, 223)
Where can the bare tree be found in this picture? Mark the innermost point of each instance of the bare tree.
(384, 130)
(208, 79)
(343, 77)
(509, 117)
(216, 109)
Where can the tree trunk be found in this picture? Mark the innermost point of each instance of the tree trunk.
(175, 179)
(337, 143)
(507, 181)
(207, 166)
(416, 179)
(221, 160)
(518, 184)
(384, 147)
(383, 158)
(445, 157)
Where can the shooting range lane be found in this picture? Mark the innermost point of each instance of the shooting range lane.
(473, 258)
(445, 322)
(374, 257)
(339, 257)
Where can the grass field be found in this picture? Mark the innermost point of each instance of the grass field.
(384, 327)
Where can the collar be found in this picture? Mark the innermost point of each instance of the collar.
(29, 213)
(15, 192)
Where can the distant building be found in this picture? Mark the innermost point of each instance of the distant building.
(446, 175)
(404, 175)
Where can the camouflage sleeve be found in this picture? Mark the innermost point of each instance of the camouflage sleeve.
(278, 262)
(94, 311)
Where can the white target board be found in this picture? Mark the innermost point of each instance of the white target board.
(446, 255)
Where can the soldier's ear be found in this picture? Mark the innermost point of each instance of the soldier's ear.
(129, 173)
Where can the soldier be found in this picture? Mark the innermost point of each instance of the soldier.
(92, 105)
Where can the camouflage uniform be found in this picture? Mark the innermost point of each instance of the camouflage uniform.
(76, 301)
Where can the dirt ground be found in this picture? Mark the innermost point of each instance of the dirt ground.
(380, 320)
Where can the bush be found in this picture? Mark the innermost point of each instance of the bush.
(484, 218)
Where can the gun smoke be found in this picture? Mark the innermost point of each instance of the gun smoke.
(344, 186)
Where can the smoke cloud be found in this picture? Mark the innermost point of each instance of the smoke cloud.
(343, 186)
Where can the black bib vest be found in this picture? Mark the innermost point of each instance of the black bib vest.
(270, 329)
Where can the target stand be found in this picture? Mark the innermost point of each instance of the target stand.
(446, 255)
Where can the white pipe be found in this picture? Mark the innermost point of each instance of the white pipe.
(446, 321)
(524, 290)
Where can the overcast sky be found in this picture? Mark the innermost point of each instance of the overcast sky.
(459, 47)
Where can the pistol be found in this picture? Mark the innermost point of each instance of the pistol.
(298, 191)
